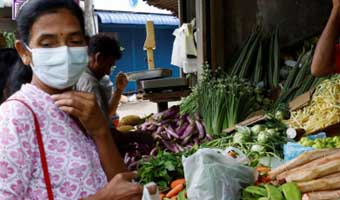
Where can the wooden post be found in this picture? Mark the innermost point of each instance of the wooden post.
(203, 46)
(217, 29)
(150, 44)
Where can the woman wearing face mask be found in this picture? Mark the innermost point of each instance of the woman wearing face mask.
(43, 152)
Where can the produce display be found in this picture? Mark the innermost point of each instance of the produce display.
(323, 109)
(190, 104)
(258, 141)
(225, 100)
(314, 172)
(288, 191)
(221, 100)
(174, 132)
(258, 60)
(161, 169)
(299, 80)
(171, 132)
(321, 143)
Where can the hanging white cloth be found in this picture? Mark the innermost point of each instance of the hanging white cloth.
(184, 52)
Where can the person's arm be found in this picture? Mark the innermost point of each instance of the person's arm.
(324, 60)
(121, 83)
(84, 107)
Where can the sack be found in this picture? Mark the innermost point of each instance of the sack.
(212, 174)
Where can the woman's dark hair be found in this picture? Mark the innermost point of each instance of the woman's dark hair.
(104, 44)
(33, 9)
(19, 75)
(8, 57)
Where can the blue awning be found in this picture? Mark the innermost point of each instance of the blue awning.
(136, 18)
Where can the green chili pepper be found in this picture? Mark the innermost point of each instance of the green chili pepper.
(256, 190)
(291, 191)
(273, 193)
(264, 198)
(181, 195)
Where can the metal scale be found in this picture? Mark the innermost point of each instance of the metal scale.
(157, 85)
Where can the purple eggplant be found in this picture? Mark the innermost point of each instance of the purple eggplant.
(186, 140)
(155, 123)
(151, 127)
(188, 131)
(153, 152)
(196, 141)
(209, 137)
(145, 126)
(158, 130)
(126, 157)
(197, 116)
(170, 113)
(170, 147)
(180, 130)
(191, 121)
(133, 165)
(180, 148)
(157, 136)
(201, 130)
(171, 132)
(165, 135)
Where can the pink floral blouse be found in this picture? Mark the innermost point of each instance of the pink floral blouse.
(72, 158)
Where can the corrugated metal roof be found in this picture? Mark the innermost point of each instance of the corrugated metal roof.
(136, 18)
(171, 5)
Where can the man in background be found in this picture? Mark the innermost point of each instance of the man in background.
(103, 52)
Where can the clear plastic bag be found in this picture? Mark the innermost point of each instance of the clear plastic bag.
(211, 174)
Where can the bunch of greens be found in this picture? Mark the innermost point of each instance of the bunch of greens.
(258, 141)
(299, 80)
(190, 104)
(163, 168)
(225, 100)
(262, 51)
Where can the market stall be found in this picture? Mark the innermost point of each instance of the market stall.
(262, 130)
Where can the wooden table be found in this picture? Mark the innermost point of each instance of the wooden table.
(163, 98)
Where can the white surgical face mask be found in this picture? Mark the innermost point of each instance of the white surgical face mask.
(60, 67)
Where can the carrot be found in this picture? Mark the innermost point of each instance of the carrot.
(232, 154)
(177, 182)
(162, 195)
(173, 192)
(262, 169)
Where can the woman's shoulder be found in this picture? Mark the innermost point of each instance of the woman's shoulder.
(17, 106)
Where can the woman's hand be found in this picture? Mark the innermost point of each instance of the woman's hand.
(84, 107)
(121, 188)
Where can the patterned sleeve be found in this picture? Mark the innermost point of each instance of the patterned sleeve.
(17, 155)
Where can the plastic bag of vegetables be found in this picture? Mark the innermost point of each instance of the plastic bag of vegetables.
(215, 176)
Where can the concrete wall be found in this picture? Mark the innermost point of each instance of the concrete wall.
(298, 20)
